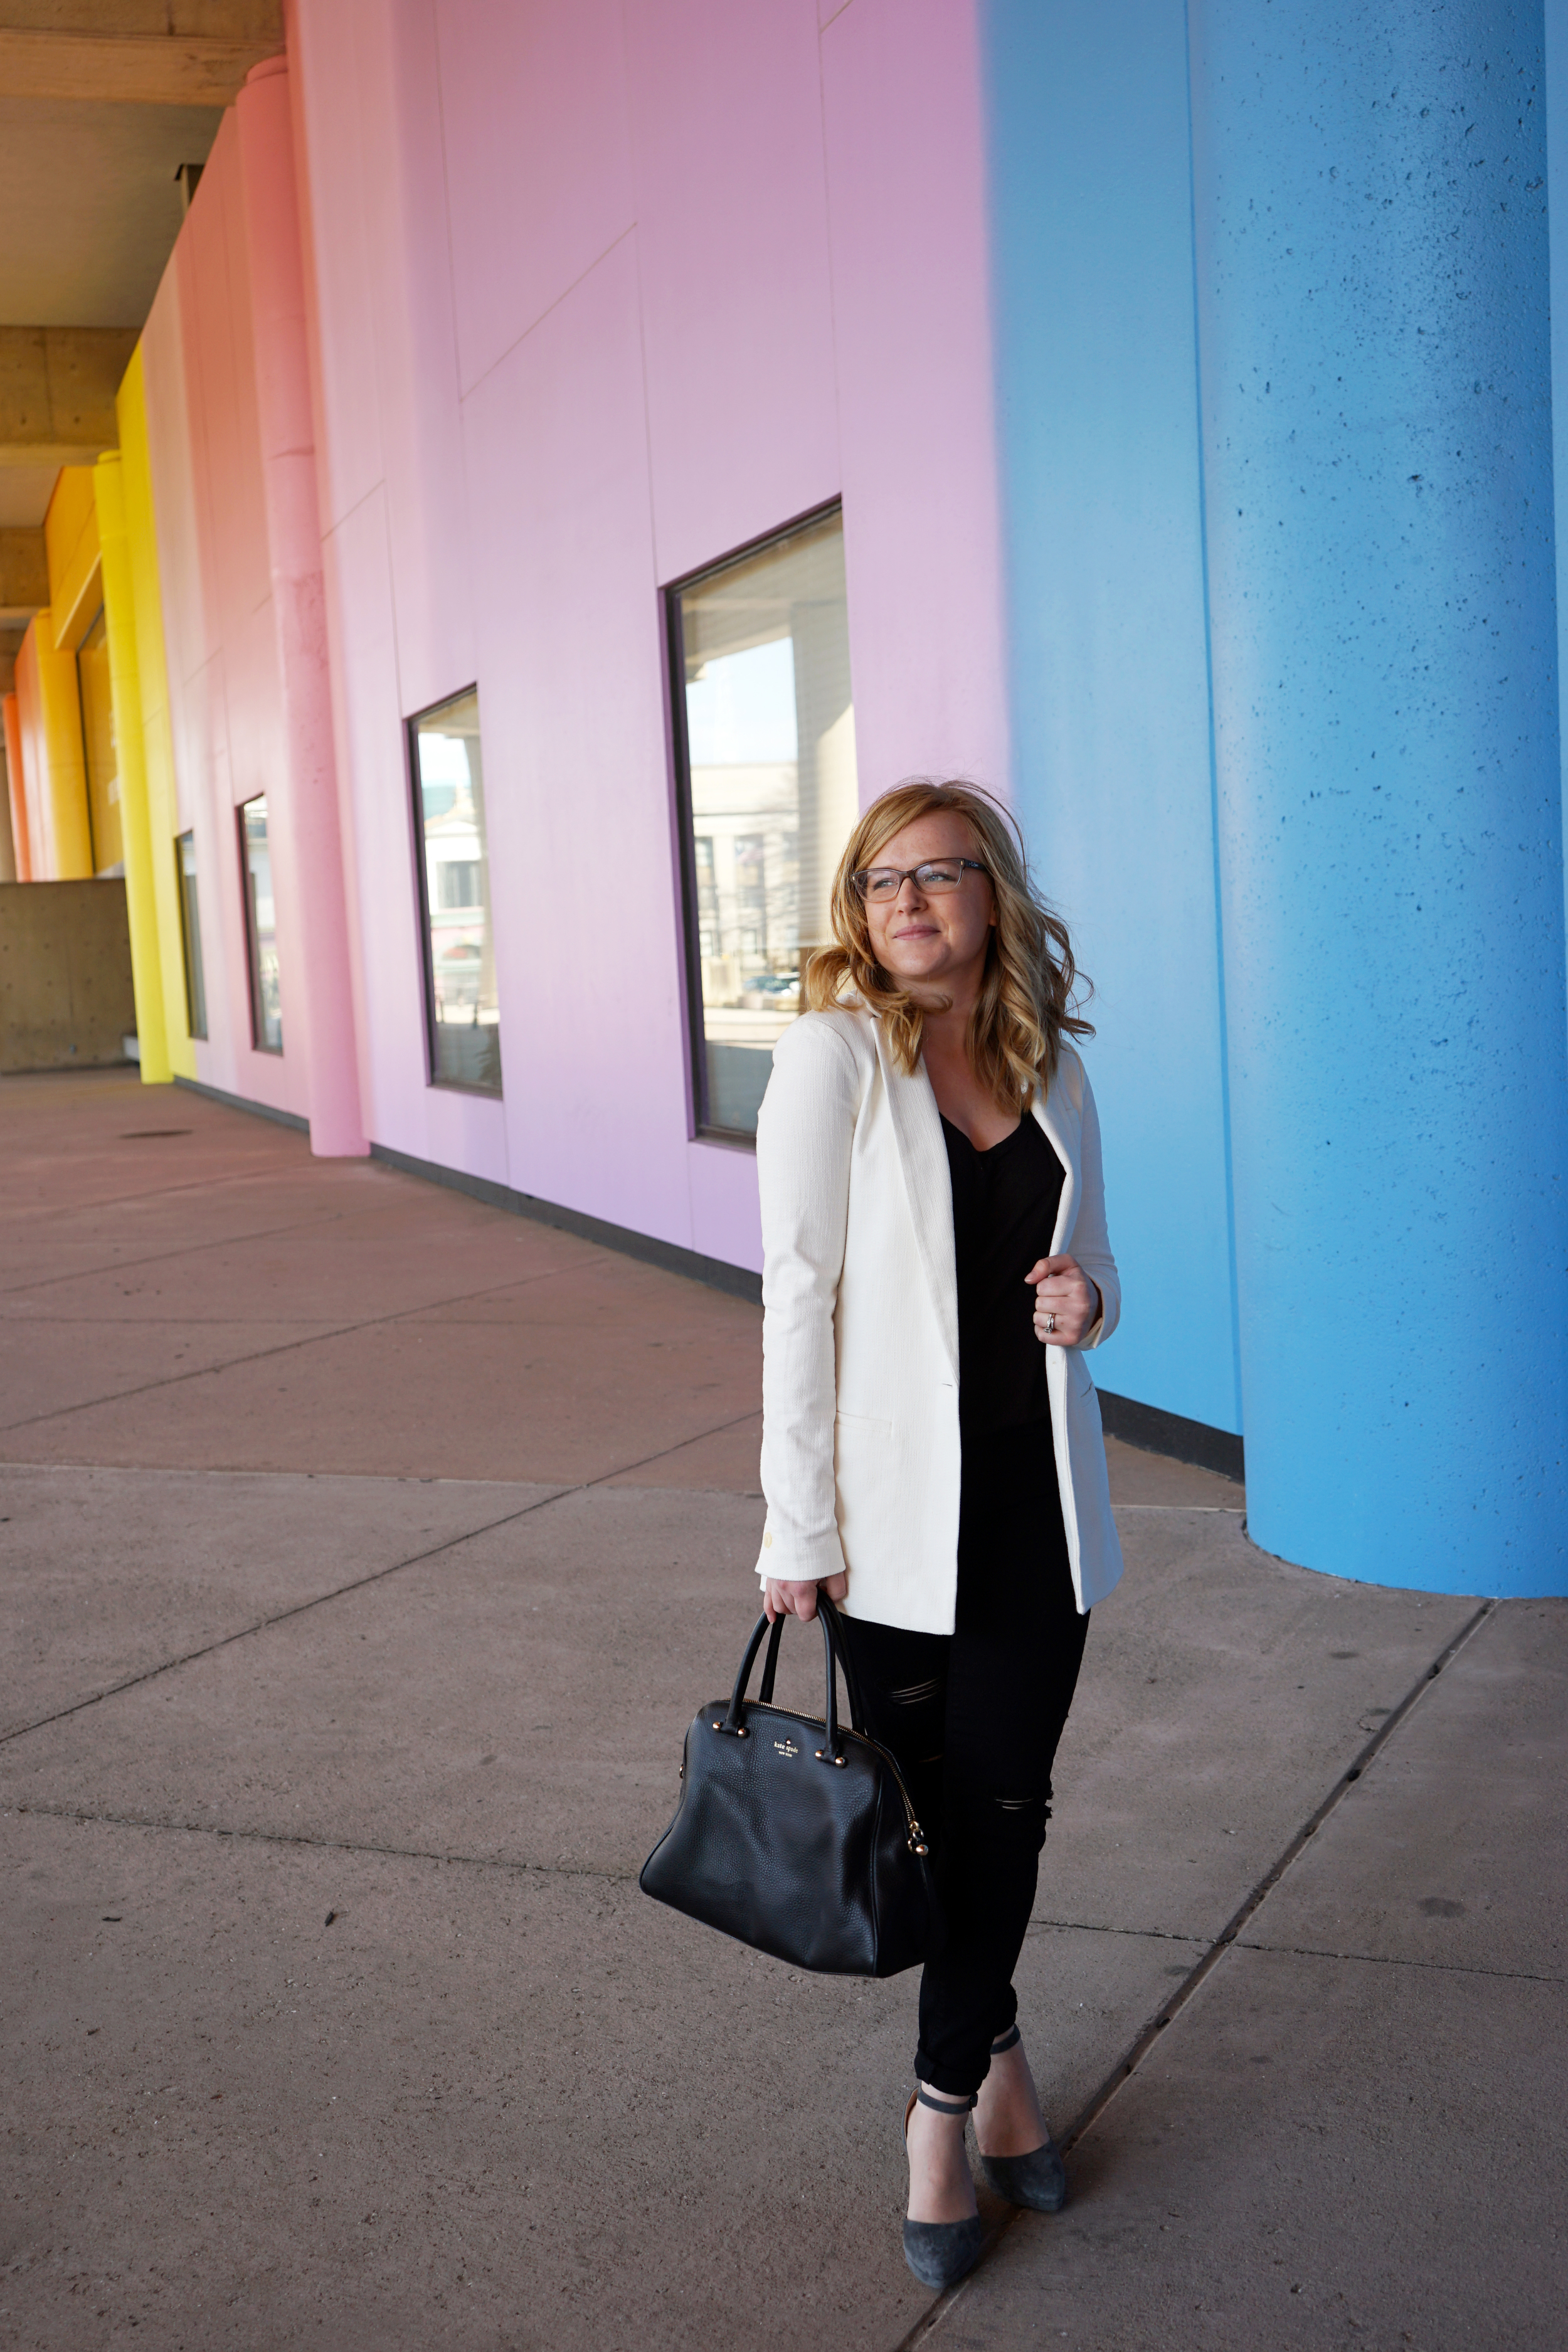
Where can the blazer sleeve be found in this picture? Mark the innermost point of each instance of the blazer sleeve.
(805, 1132)
(1091, 1239)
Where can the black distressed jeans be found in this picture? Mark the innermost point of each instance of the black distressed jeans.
(973, 1718)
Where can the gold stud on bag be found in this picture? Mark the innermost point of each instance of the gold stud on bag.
(829, 1870)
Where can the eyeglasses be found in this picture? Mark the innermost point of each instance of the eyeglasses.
(933, 880)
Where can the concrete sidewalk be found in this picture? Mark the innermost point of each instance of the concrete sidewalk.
(366, 1551)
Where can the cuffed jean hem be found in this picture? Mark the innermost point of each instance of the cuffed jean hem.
(956, 2078)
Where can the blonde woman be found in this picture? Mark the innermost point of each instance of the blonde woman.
(936, 1261)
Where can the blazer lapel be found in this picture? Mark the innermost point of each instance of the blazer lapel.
(1063, 1126)
(922, 1155)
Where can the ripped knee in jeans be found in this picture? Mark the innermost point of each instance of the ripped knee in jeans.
(914, 1693)
(1022, 1817)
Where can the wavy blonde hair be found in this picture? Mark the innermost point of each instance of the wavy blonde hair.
(1030, 988)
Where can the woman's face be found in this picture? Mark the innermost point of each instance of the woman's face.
(923, 941)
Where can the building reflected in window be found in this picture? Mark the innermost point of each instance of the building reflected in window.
(463, 1017)
(767, 779)
(191, 935)
(261, 928)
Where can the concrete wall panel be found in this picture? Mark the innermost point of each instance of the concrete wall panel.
(65, 998)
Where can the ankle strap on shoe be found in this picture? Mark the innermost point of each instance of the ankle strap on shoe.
(944, 2107)
(1005, 2042)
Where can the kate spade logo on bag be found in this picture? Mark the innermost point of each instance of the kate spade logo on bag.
(786, 1747)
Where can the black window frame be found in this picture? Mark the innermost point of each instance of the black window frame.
(411, 726)
(701, 1130)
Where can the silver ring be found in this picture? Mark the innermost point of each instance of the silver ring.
(1050, 1322)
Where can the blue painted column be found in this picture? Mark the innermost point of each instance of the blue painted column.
(1371, 231)
(1090, 172)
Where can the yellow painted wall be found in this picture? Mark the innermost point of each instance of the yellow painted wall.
(156, 735)
(101, 742)
(136, 832)
(71, 545)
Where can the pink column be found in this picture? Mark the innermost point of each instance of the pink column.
(308, 855)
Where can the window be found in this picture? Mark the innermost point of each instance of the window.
(765, 769)
(191, 935)
(260, 929)
(459, 879)
(462, 1016)
(98, 742)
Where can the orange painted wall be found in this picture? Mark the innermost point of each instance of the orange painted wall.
(16, 787)
(59, 841)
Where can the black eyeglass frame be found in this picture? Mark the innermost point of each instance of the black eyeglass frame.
(912, 873)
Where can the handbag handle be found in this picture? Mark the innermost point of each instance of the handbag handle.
(832, 1618)
(735, 1721)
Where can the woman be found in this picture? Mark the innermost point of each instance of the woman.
(931, 1448)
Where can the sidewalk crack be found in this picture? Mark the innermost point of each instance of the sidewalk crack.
(326, 1844)
(1397, 1961)
(1204, 1968)
(359, 1583)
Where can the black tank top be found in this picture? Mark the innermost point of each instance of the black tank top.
(1005, 1204)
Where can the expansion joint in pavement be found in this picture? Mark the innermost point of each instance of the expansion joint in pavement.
(1394, 1960)
(313, 1339)
(360, 1584)
(182, 1250)
(1204, 1968)
(279, 1617)
(512, 1864)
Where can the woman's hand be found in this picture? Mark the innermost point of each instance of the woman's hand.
(785, 1599)
(1067, 1303)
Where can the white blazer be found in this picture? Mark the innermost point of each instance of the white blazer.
(861, 1462)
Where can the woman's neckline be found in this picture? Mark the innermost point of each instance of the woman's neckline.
(983, 1152)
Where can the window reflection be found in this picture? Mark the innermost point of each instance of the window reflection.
(191, 937)
(261, 928)
(459, 941)
(770, 791)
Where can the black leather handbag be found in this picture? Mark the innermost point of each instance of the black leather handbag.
(796, 1836)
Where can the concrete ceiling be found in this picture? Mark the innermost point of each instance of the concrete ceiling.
(91, 207)
(25, 494)
(101, 101)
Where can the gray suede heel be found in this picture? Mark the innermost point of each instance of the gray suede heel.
(1036, 2180)
(942, 2252)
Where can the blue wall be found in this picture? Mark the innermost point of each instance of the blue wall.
(1091, 202)
(1556, 28)
(1271, 297)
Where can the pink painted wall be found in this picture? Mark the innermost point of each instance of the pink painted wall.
(230, 428)
(604, 289)
(224, 687)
